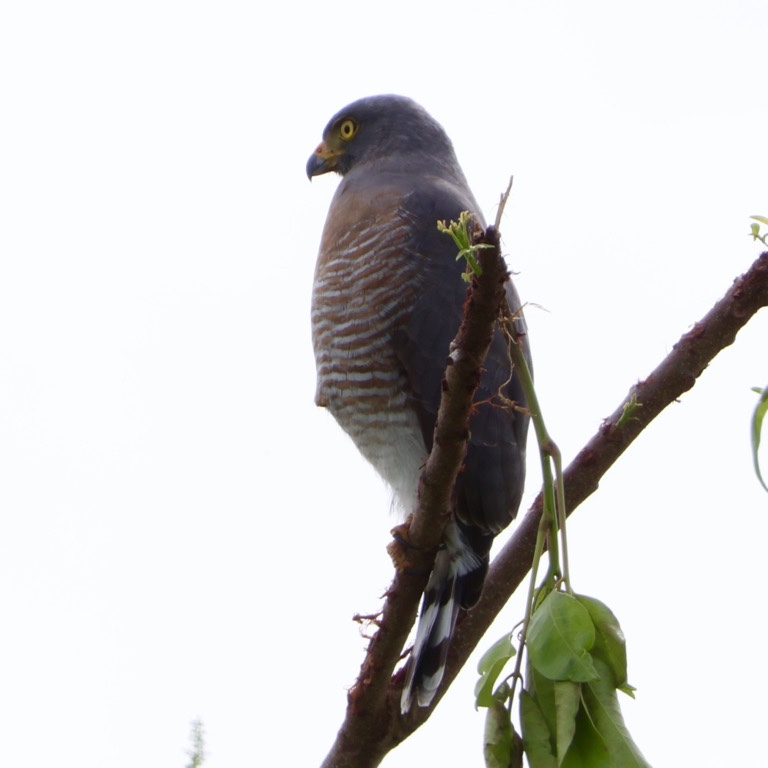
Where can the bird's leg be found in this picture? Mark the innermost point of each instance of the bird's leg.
(400, 546)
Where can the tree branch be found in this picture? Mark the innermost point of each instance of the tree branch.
(676, 374)
(373, 725)
(373, 703)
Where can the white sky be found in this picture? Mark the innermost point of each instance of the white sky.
(182, 533)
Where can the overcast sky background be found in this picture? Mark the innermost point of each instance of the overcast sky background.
(182, 533)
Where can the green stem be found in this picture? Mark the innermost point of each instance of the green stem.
(553, 513)
(549, 516)
(561, 511)
(541, 535)
(547, 450)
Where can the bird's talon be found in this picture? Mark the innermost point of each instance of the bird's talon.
(401, 546)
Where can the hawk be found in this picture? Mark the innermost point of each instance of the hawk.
(386, 304)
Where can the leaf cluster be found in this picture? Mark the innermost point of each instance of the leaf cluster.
(577, 662)
(569, 711)
(466, 242)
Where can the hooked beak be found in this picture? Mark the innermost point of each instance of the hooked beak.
(322, 160)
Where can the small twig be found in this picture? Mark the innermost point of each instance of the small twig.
(503, 204)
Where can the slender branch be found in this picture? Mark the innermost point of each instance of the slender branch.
(373, 725)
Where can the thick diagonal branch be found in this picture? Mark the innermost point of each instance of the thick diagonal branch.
(675, 375)
(373, 725)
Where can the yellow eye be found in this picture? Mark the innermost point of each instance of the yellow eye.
(347, 128)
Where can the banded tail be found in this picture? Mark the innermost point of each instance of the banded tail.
(457, 574)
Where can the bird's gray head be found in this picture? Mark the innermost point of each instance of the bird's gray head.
(373, 129)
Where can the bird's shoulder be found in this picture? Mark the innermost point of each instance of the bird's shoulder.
(423, 197)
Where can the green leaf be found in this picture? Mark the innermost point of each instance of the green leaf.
(757, 427)
(543, 691)
(602, 705)
(502, 747)
(588, 749)
(469, 255)
(610, 645)
(754, 229)
(537, 740)
(567, 700)
(489, 668)
(542, 593)
(459, 232)
(628, 689)
(560, 635)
